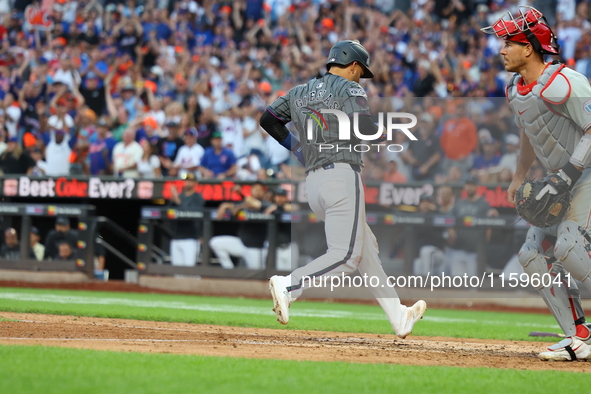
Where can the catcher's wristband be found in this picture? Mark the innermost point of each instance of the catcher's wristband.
(570, 174)
(582, 155)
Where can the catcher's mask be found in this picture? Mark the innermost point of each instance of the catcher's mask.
(550, 210)
(529, 27)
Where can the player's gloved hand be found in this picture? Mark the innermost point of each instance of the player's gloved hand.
(561, 182)
(554, 184)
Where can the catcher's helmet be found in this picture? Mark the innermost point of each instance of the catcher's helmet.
(529, 27)
(346, 52)
(545, 212)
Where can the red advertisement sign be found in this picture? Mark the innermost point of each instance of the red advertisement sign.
(386, 194)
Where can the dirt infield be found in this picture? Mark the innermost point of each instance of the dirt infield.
(182, 338)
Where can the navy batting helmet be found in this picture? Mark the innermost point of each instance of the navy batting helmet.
(346, 52)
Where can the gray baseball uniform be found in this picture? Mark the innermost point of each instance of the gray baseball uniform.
(304, 103)
(554, 112)
(333, 184)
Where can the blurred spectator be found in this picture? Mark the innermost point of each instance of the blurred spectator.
(126, 156)
(207, 124)
(3, 144)
(66, 73)
(156, 111)
(130, 99)
(189, 156)
(85, 122)
(40, 164)
(425, 153)
(218, 162)
(149, 130)
(101, 150)
(230, 126)
(425, 80)
(94, 93)
(486, 163)
(254, 142)
(94, 69)
(251, 235)
(401, 158)
(249, 167)
(12, 114)
(11, 249)
(61, 120)
(168, 147)
(458, 140)
(464, 241)
(119, 114)
(392, 175)
(65, 251)
(185, 246)
(509, 159)
(454, 175)
(287, 251)
(99, 262)
(128, 33)
(37, 249)
(61, 233)
(14, 160)
(430, 243)
(57, 154)
(149, 165)
(214, 66)
(445, 199)
(276, 154)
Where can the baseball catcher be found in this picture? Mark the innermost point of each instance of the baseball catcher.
(552, 107)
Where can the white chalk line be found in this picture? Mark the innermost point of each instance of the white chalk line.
(235, 309)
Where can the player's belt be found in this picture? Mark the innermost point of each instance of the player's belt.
(330, 166)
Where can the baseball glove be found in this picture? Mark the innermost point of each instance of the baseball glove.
(539, 207)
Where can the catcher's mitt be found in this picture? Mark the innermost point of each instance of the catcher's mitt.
(548, 210)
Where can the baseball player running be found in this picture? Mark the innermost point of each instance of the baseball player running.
(552, 106)
(333, 181)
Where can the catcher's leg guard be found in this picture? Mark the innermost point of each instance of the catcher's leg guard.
(531, 256)
(571, 250)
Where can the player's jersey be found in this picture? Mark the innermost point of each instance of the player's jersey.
(305, 101)
(554, 125)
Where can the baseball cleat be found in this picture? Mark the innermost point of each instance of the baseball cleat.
(569, 349)
(281, 298)
(412, 315)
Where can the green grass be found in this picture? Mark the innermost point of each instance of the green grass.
(37, 369)
(305, 315)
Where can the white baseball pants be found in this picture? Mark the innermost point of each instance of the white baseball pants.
(336, 196)
(184, 252)
(225, 246)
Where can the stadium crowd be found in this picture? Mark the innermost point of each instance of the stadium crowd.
(162, 88)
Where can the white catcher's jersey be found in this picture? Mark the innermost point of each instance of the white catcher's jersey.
(554, 112)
